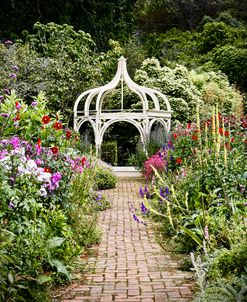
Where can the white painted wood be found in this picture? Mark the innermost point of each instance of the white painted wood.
(127, 171)
(142, 119)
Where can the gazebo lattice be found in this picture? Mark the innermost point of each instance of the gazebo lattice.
(143, 119)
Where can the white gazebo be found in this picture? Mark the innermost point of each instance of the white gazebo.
(100, 119)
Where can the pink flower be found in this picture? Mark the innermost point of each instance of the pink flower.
(157, 162)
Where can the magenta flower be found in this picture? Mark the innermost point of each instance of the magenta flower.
(15, 67)
(55, 179)
(34, 104)
(154, 161)
(15, 142)
(8, 42)
(13, 75)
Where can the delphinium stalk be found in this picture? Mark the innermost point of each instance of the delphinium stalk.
(217, 128)
(206, 141)
(224, 143)
(229, 136)
(198, 128)
(213, 127)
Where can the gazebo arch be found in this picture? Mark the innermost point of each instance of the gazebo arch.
(142, 119)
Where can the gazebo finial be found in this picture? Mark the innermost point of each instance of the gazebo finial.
(122, 58)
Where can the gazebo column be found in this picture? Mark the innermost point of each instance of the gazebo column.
(146, 133)
(98, 138)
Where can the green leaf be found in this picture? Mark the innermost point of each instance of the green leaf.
(11, 278)
(60, 267)
(43, 279)
(55, 242)
(148, 206)
(193, 236)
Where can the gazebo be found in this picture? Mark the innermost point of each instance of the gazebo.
(100, 119)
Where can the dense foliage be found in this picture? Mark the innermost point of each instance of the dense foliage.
(195, 53)
(49, 199)
(200, 193)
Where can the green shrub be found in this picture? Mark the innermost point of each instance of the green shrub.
(229, 262)
(215, 294)
(104, 178)
(109, 152)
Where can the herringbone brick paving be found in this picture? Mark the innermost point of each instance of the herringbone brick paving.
(130, 265)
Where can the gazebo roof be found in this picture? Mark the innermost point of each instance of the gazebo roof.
(101, 119)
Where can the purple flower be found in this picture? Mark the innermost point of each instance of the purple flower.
(34, 104)
(136, 218)
(8, 42)
(99, 196)
(1, 98)
(6, 91)
(38, 162)
(15, 67)
(11, 205)
(55, 179)
(5, 115)
(15, 142)
(146, 189)
(13, 75)
(144, 209)
(141, 192)
(162, 193)
(167, 192)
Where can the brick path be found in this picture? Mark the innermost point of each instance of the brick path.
(130, 265)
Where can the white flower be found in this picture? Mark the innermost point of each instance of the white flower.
(43, 191)
(31, 165)
(43, 176)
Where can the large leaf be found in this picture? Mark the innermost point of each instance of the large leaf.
(197, 239)
(55, 242)
(60, 267)
(43, 279)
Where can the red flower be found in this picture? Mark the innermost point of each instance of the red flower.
(232, 139)
(18, 117)
(221, 130)
(54, 150)
(175, 135)
(47, 170)
(68, 134)
(244, 124)
(17, 105)
(194, 137)
(45, 119)
(83, 160)
(226, 133)
(39, 142)
(58, 125)
(179, 160)
(188, 125)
